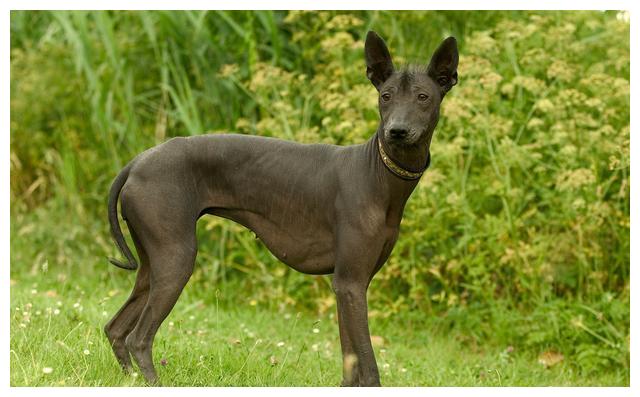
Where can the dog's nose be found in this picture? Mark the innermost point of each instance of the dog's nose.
(398, 132)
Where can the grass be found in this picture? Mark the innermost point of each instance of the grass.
(237, 342)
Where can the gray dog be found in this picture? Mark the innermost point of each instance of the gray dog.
(320, 209)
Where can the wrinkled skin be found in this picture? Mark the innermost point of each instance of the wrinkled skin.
(320, 209)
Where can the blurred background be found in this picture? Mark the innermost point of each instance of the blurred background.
(517, 234)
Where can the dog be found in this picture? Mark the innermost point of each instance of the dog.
(321, 209)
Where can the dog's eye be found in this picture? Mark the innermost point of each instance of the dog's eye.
(422, 97)
(386, 96)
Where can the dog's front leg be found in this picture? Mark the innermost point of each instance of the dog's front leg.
(350, 367)
(359, 363)
(354, 268)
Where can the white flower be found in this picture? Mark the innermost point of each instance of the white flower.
(280, 344)
(47, 370)
(316, 330)
(86, 352)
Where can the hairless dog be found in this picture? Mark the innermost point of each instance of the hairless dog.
(319, 208)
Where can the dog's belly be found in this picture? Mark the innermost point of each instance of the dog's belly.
(309, 251)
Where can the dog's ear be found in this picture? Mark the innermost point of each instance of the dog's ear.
(379, 64)
(443, 68)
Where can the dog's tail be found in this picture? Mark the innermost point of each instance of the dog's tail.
(116, 232)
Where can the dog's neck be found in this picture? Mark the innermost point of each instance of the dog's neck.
(397, 190)
(398, 169)
(407, 163)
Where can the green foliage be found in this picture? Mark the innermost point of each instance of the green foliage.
(519, 232)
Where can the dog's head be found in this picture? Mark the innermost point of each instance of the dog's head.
(409, 100)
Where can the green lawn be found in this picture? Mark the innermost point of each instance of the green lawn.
(58, 325)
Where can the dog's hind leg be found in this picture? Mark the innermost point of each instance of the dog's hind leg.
(171, 266)
(126, 318)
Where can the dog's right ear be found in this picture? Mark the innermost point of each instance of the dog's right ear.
(379, 64)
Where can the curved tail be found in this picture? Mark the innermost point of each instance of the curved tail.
(116, 232)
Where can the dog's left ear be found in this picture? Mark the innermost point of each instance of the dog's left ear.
(443, 68)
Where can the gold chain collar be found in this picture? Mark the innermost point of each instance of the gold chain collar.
(398, 170)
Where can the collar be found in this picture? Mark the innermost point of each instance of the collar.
(396, 169)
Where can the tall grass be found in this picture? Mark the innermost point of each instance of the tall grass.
(519, 231)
